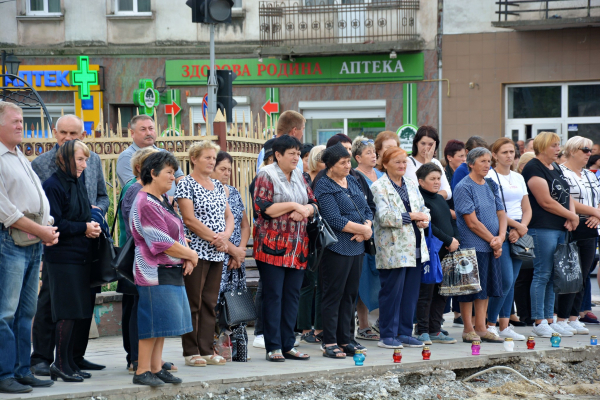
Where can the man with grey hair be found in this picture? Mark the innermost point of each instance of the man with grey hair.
(68, 127)
(24, 226)
(143, 135)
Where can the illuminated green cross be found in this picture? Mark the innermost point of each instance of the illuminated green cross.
(84, 78)
(146, 97)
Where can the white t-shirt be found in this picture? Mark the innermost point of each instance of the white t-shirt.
(412, 165)
(514, 188)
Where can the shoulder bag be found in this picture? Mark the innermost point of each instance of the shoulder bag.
(22, 238)
(522, 249)
(320, 236)
(566, 274)
(237, 307)
(122, 263)
(370, 243)
(103, 253)
(432, 269)
(583, 231)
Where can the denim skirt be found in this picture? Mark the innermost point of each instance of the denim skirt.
(163, 310)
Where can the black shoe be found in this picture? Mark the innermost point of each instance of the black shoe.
(148, 379)
(34, 382)
(41, 369)
(10, 385)
(85, 364)
(84, 375)
(56, 373)
(517, 323)
(458, 323)
(444, 332)
(167, 377)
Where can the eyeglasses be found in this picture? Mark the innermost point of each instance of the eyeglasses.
(586, 150)
(367, 142)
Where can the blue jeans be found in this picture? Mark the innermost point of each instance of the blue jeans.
(501, 306)
(542, 287)
(20, 272)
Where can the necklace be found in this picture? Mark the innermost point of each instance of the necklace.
(507, 179)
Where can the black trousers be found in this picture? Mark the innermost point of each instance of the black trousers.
(340, 276)
(430, 309)
(522, 293)
(43, 328)
(281, 293)
(129, 327)
(568, 305)
(258, 324)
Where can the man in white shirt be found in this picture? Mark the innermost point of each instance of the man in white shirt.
(21, 197)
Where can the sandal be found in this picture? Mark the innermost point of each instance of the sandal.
(294, 354)
(491, 338)
(275, 356)
(470, 337)
(330, 352)
(310, 337)
(195, 361)
(214, 360)
(367, 334)
(167, 366)
(351, 348)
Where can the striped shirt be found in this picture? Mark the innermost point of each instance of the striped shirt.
(584, 189)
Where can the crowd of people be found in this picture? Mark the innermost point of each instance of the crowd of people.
(191, 231)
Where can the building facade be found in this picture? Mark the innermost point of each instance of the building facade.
(517, 71)
(351, 66)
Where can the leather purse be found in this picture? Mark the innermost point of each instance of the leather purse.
(320, 236)
(103, 253)
(522, 249)
(237, 307)
(124, 258)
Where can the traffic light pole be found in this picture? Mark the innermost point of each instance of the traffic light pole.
(212, 82)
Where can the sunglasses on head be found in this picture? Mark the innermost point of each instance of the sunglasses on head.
(366, 142)
(586, 150)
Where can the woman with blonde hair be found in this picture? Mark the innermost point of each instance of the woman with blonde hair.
(315, 164)
(525, 158)
(585, 194)
(553, 214)
(209, 224)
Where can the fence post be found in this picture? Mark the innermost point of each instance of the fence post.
(220, 130)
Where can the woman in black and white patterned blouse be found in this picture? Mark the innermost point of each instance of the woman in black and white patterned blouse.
(585, 192)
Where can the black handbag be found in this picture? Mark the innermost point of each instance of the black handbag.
(566, 274)
(370, 243)
(522, 249)
(103, 252)
(122, 263)
(583, 231)
(320, 236)
(237, 307)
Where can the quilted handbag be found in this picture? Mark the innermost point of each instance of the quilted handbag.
(522, 249)
(320, 236)
(237, 307)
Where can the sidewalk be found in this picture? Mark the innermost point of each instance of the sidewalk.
(114, 381)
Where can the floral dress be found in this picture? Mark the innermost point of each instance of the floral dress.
(235, 278)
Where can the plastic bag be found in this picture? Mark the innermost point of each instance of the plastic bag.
(432, 269)
(461, 273)
(567, 274)
(224, 346)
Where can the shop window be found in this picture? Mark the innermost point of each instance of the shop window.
(130, 7)
(237, 4)
(43, 7)
(590, 131)
(534, 102)
(584, 100)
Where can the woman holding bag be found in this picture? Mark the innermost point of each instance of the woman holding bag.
(585, 193)
(431, 304)
(513, 193)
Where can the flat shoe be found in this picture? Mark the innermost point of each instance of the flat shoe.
(167, 377)
(147, 379)
(294, 354)
(195, 361)
(271, 356)
(169, 367)
(214, 360)
(470, 337)
(491, 338)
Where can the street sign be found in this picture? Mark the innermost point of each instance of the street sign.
(172, 109)
(205, 106)
(270, 107)
(406, 133)
(83, 77)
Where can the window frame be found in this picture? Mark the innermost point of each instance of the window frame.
(45, 12)
(135, 12)
(238, 7)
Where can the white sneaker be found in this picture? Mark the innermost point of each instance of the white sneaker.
(579, 328)
(297, 341)
(543, 329)
(558, 327)
(493, 330)
(565, 325)
(510, 333)
(259, 341)
(554, 319)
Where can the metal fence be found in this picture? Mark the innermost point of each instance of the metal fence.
(303, 22)
(546, 9)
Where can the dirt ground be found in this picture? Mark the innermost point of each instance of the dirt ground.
(559, 381)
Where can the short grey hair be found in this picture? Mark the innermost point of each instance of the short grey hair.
(5, 106)
(475, 154)
(576, 143)
(358, 146)
(70, 116)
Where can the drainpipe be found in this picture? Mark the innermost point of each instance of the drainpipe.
(439, 38)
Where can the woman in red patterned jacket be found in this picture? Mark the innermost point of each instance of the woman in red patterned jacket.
(282, 200)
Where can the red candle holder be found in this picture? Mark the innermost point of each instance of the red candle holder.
(530, 343)
(397, 356)
(426, 353)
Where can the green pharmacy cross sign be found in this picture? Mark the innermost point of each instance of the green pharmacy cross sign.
(84, 78)
(146, 97)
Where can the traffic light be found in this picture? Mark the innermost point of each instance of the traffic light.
(210, 11)
(225, 101)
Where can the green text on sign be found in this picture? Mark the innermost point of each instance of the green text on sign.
(343, 69)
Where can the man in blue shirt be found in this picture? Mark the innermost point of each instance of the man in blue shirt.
(463, 169)
(290, 123)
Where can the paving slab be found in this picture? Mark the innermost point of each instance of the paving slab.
(115, 382)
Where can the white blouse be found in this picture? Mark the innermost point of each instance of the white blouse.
(412, 165)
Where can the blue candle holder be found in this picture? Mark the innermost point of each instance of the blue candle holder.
(555, 340)
(359, 358)
(594, 340)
